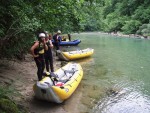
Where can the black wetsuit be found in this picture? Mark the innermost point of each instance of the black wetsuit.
(39, 60)
(49, 58)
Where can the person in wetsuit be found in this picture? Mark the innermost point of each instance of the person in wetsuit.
(48, 54)
(57, 39)
(37, 51)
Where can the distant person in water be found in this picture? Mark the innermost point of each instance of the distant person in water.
(48, 53)
(57, 40)
(37, 51)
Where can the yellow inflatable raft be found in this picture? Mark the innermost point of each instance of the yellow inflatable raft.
(72, 55)
(60, 85)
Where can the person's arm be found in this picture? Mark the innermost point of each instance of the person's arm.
(59, 38)
(33, 48)
(51, 44)
(45, 45)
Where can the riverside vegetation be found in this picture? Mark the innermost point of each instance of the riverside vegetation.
(21, 19)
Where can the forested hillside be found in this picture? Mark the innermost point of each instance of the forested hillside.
(21, 19)
(127, 16)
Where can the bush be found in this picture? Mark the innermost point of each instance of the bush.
(131, 26)
(144, 30)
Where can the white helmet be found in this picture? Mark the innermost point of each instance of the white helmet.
(58, 31)
(42, 35)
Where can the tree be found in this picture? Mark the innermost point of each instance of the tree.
(131, 26)
(21, 19)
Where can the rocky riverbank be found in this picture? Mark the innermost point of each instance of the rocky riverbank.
(119, 34)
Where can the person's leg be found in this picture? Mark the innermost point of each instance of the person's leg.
(40, 72)
(51, 62)
(57, 48)
(47, 63)
(51, 65)
(42, 68)
(38, 64)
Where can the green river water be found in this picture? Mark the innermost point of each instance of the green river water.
(116, 77)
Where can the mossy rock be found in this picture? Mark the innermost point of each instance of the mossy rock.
(7, 106)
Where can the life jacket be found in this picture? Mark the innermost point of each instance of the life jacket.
(40, 50)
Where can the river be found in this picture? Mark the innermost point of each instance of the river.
(116, 77)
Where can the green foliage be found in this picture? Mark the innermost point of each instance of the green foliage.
(21, 19)
(142, 13)
(6, 104)
(125, 16)
(114, 15)
(3, 92)
(144, 30)
(90, 16)
(114, 22)
(131, 26)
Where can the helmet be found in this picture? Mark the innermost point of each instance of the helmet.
(41, 35)
(58, 31)
(46, 32)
